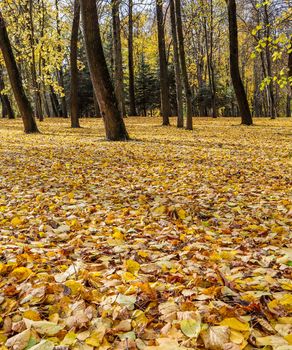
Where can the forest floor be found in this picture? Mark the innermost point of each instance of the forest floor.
(174, 240)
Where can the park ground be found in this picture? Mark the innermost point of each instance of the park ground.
(173, 240)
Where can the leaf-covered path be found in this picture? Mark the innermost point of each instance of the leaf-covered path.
(174, 240)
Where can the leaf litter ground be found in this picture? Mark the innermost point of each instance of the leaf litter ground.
(176, 240)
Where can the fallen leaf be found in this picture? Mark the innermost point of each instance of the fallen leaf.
(132, 266)
(215, 337)
(19, 341)
(191, 328)
(43, 345)
(235, 324)
(44, 327)
(21, 273)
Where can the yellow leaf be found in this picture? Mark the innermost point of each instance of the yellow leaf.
(236, 337)
(76, 287)
(181, 214)
(139, 318)
(143, 254)
(215, 257)
(3, 338)
(21, 273)
(95, 274)
(190, 328)
(16, 221)
(117, 234)
(228, 255)
(273, 304)
(234, 323)
(31, 315)
(285, 320)
(160, 210)
(288, 338)
(69, 339)
(132, 266)
(182, 237)
(128, 277)
(95, 339)
(287, 285)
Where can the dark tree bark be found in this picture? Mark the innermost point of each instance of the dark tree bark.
(118, 59)
(46, 103)
(96, 106)
(210, 61)
(74, 68)
(257, 95)
(55, 103)
(272, 104)
(114, 125)
(63, 97)
(132, 99)
(182, 56)
(197, 41)
(212, 65)
(35, 84)
(16, 82)
(164, 81)
(7, 110)
(179, 99)
(4, 109)
(240, 93)
(42, 85)
(290, 63)
(60, 73)
(290, 89)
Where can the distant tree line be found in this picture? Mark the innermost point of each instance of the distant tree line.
(169, 57)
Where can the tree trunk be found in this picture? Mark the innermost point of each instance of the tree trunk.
(46, 104)
(290, 62)
(16, 82)
(273, 111)
(257, 96)
(164, 83)
(178, 84)
(187, 88)
(63, 97)
(289, 87)
(4, 109)
(200, 71)
(132, 99)
(118, 59)
(246, 117)
(64, 112)
(6, 105)
(114, 124)
(96, 106)
(211, 60)
(74, 67)
(35, 84)
(210, 63)
(55, 103)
